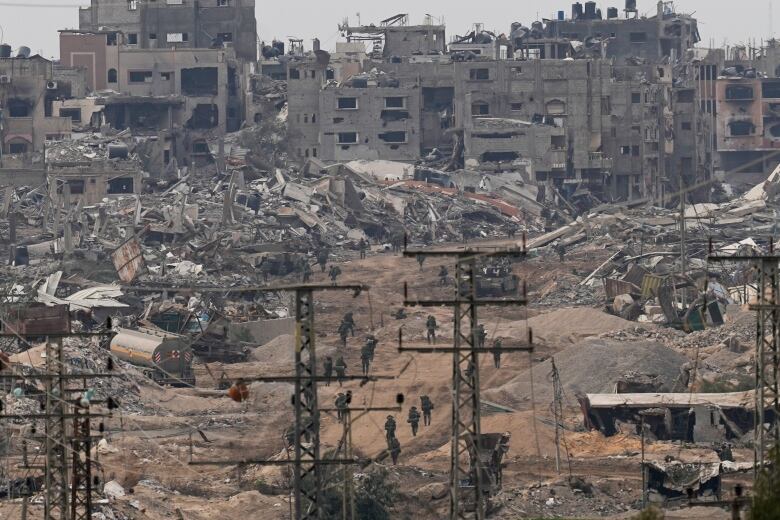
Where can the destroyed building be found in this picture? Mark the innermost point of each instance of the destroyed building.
(604, 123)
(179, 24)
(27, 91)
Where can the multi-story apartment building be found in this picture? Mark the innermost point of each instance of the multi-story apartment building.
(180, 24)
(27, 92)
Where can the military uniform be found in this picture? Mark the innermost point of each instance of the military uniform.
(431, 326)
(328, 366)
(427, 407)
(414, 420)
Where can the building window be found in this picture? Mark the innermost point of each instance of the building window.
(330, 74)
(686, 126)
(225, 37)
(739, 93)
(479, 74)
(635, 150)
(139, 76)
(305, 118)
(348, 138)
(625, 150)
(480, 109)
(393, 137)
(132, 5)
(638, 37)
(556, 107)
(76, 186)
(313, 74)
(314, 152)
(19, 108)
(111, 39)
(152, 36)
(636, 97)
(295, 74)
(17, 148)
(516, 107)
(174, 2)
(112, 76)
(314, 118)
(73, 113)
(120, 185)
(166, 76)
(223, 3)
(347, 103)
(395, 102)
(132, 39)
(178, 37)
(741, 128)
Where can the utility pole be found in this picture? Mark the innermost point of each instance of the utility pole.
(766, 433)
(308, 481)
(59, 407)
(557, 413)
(466, 465)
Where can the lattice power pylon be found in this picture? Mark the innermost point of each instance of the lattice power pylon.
(56, 476)
(468, 472)
(766, 269)
(306, 470)
(81, 488)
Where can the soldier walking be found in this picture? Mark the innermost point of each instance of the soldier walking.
(365, 359)
(341, 406)
(431, 326)
(328, 366)
(343, 331)
(481, 336)
(371, 343)
(497, 352)
(427, 407)
(306, 272)
(362, 246)
(335, 272)
(322, 258)
(443, 274)
(414, 420)
(349, 320)
(341, 369)
(390, 429)
(395, 450)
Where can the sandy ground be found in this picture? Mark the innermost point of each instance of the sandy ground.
(150, 454)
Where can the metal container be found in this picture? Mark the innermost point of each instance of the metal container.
(5, 50)
(165, 357)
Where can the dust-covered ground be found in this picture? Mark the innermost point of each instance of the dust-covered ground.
(157, 449)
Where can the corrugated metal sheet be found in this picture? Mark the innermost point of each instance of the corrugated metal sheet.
(38, 320)
(128, 260)
(650, 285)
(615, 288)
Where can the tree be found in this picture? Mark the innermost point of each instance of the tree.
(766, 492)
(375, 495)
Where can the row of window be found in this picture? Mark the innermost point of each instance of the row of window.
(390, 103)
(397, 137)
(132, 5)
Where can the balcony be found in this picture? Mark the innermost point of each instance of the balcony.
(599, 160)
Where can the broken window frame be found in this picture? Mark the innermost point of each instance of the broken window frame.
(637, 37)
(148, 76)
(18, 148)
(388, 106)
(382, 137)
(132, 5)
(340, 138)
(120, 186)
(339, 103)
(479, 74)
(480, 112)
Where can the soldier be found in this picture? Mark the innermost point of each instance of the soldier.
(341, 406)
(328, 369)
(561, 249)
(349, 319)
(470, 369)
(341, 368)
(365, 358)
(497, 352)
(371, 343)
(334, 273)
(427, 407)
(362, 246)
(306, 271)
(431, 326)
(390, 429)
(481, 336)
(322, 258)
(414, 420)
(395, 450)
(343, 331)
(400, 314)
(421, 261)
(443, 274)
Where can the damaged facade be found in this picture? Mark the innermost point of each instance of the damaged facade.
(599, 123)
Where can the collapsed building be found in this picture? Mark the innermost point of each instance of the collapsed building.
(604, 123)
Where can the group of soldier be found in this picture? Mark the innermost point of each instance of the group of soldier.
(413, 418)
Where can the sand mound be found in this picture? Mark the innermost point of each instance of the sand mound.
(572, 325)
(279, 350)
(593, 366)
